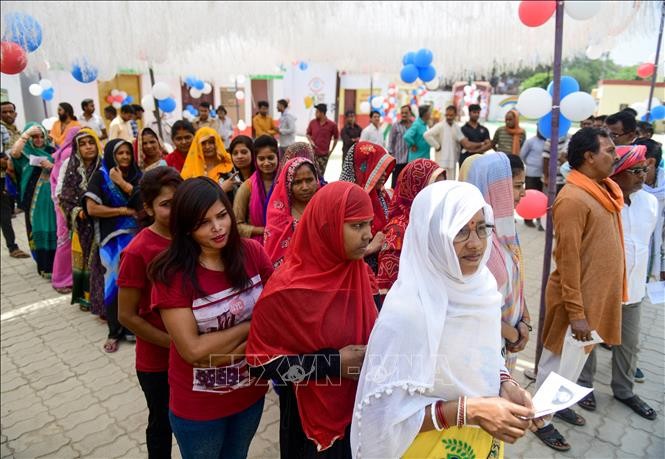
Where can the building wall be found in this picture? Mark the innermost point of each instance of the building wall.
(612, 95)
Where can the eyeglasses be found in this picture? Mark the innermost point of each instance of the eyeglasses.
(482, 231)
(614, 135)
(638, 170)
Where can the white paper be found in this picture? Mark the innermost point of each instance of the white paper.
(556, 394)
(595, 339)
(656, 292)
(36, 160)
(573, 356)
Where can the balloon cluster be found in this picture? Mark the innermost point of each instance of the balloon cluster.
(416, 94)
(418, 65)
(197, 87)
(162, 93)
(83, 71)
(23, 34)
(534, 13)
(44, 88)
(575, 105)
(189, 113)
(657, 113)
(119, 98)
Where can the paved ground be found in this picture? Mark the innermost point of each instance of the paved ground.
(63, 397)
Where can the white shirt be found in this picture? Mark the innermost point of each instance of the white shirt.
(95, 123)
(446, 142)
(226, 131)
(372, 134)
(639, 222)
(287, 129)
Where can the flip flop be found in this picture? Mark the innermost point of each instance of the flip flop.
(111, 345)
(552, 438)
(588, 403)
(639, 406)
(63, 291)
(569, 416)
(18, 253)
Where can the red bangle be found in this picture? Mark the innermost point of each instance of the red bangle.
(440, 416)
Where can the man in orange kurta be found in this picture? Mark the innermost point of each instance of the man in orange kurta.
(586, 289)
(66, 121)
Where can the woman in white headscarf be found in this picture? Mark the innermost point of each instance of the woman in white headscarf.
(433, 382)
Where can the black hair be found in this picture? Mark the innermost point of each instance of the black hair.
(111, 109)
(311, 167)
(69, 110)
(204, 104)
(630, 110)
(323, 108)
(654, 149)
(6, 102)
(423, 110)
(85, 103)
(266, 141)
(407, 106)
(249, 143)
(137, 108)
(263, 103)
(371, 114)
(516, 164)
(127, 109)
(474, 108)
(586, 139)
(624, 117)
(349, 113)
(183, 125)
(283, 102)
(645, 127)
(191, 201)
(451, 107)
(151, 185)
(601, 118)
(221, 109)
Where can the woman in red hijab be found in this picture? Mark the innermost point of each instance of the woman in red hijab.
(311, 324)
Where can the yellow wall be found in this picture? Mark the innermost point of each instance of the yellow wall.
(612, 97)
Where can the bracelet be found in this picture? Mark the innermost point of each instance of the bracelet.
(461, 411)
(441, 417)
(528, 325)
(433, 414)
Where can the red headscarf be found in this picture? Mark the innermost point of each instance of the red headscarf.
(364, 165)
(411, 181)
(318, 299)
(280, 224)
(629, 155)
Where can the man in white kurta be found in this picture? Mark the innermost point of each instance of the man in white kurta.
(446, 137)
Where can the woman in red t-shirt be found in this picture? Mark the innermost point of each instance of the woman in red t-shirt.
(205, 287)
(134, 289)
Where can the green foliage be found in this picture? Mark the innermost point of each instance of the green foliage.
(537, 80)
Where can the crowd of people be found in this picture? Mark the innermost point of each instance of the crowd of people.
(387, 319)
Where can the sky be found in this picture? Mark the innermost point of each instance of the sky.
(637, 49)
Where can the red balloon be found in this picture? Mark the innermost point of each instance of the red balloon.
(118, 98)
(534, 13)
(13, 58)
(109, 99)
(645, 70)
(533, 205)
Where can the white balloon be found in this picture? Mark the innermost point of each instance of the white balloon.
(106, 74)
(45, 84)
(117, 104)
(49, 122)
(640, 108)
(115, 92)
(534, 103)
(207, 88)
(187, 115)
(148, 103)
(365, 107)
(195, 93)
(35, 89)
(377, 101)
(241, 125)
(240, 95)
(582, 10)
(240, 79)
(161, 90)
(123, 94)
(578, 106)
(655, 101)
(594, 52)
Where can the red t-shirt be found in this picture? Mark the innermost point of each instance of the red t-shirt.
(322, 134)
(203, 394)
(134, 261)
(176, 160)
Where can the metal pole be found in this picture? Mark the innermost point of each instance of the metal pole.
(655, 70)
(554, 156)
(157, 114)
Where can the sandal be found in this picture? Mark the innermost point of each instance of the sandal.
(18, 253)
(639, 406)
(552, 438)
(84, 307)
(64, 290)
(588, 403)
(570, 417)
(111, 345)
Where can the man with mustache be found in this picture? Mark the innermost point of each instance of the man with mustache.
(587, 288)
(66, 121)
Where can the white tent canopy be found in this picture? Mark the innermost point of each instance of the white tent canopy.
(209, 39)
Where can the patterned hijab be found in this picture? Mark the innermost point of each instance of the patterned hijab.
(138, 148)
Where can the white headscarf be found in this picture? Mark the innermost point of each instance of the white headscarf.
(438, 335)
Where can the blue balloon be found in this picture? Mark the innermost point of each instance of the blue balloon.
(83, 72)
(423, 58)
(129, 100)
(409, 73)
(167, 105)
(193, 111)
(545, 125)
(569, 85)
(213, 113)
(658, 113)
(23, 30)
(189, 107)
(199, 84)
(48, 94)
(190, 80)
(426, 73)
(303, 66)
(409, 58)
